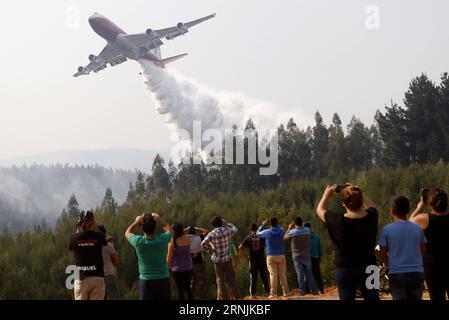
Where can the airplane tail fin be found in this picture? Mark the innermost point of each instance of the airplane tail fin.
(173, 59)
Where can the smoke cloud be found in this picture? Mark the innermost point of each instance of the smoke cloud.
(182, 101)
(28, 194)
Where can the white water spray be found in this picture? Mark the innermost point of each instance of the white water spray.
(184, 101)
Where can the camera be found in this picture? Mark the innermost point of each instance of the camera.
(341, 187)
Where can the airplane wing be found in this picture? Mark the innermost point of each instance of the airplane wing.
(97, 63)
(152, 38)
(181, 28)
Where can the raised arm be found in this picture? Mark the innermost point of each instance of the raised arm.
(290, 227)
(329, 192)
(165, 226)
(418, 217)
(263, 232)
(229, 226)
(233, 229)
(130, 230)
(368, 203)
(203, 231)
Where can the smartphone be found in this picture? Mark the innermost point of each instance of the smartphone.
(341, 187)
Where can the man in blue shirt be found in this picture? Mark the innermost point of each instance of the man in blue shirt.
(402, 244)
(274, 241)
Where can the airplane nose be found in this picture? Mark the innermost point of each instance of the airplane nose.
(93, 20)
(94, 17)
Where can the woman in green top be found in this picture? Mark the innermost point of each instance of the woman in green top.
(151, 250)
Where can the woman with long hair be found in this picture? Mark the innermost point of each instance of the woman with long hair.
(180, 261)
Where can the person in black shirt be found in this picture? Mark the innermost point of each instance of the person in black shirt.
(257, 261)
(87, 246)
(353, 234)
(436, 229)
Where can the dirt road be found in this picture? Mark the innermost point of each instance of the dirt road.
(329, 294)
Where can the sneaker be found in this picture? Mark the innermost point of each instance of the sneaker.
(315, 293)
(272, 296)
(302, 293)
(287, 294)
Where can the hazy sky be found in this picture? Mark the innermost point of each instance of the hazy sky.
(302, 56)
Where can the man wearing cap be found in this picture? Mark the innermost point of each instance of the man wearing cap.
(87, 246)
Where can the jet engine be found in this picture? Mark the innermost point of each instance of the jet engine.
(91, 57)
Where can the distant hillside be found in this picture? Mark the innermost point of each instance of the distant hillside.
(125, 159)
(28, 194)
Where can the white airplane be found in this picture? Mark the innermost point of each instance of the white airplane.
(122, 46)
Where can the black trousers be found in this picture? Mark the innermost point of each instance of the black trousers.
(155, 289)
(437, 279)
(316, 271)
(256, 267)
(183, 281)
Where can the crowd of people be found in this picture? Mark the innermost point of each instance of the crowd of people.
(414, 250)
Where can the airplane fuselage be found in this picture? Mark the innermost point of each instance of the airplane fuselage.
(115, 36)
(122, 46)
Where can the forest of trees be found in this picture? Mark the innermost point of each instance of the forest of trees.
(404, 150)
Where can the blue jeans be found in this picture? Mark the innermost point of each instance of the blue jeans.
(304, 271)
(407, 286)
(348, 279)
